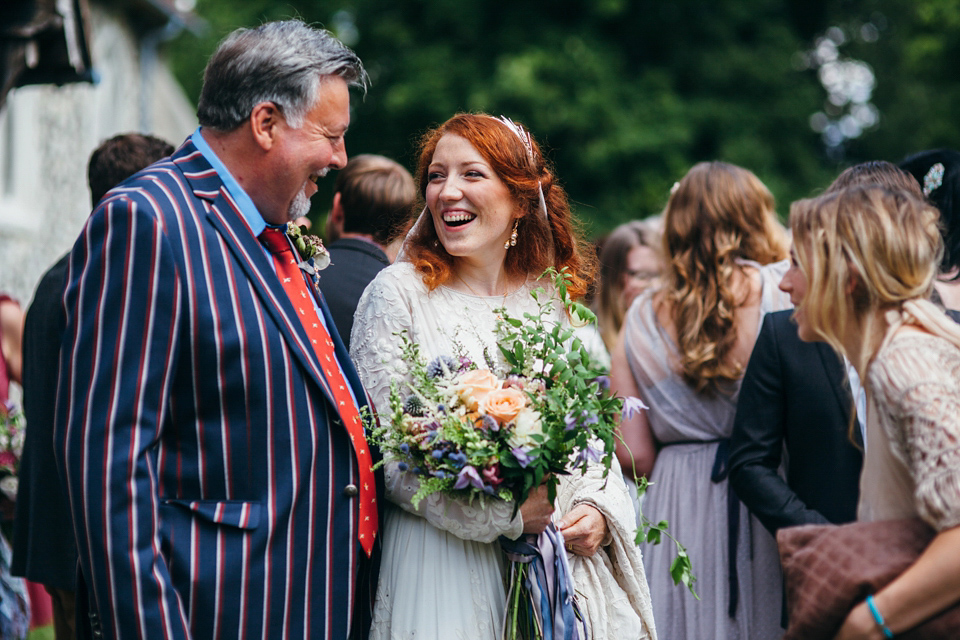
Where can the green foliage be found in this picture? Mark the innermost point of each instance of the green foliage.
(627, 96)
(681, 569)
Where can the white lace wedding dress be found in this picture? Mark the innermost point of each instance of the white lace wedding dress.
(442, 572)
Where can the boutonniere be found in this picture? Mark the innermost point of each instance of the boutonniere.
(314, 257)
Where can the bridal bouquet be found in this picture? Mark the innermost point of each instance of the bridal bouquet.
(476, 431)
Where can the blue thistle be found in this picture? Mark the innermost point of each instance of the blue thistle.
(441, 366)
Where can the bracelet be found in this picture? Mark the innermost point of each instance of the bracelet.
(878, 618)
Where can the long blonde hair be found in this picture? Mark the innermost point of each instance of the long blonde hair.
(863, 249)
(718, 214)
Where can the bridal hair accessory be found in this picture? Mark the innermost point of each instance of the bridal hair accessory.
(512, 242)
(933, 179)
(524, 136)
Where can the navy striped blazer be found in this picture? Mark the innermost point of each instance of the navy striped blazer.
(206, 466)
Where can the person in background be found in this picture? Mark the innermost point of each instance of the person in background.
(631, 260)
(15, 608)
(372, 201)
(44, 549)
(683, 348)
(864, 263)
(11, 343)
(796, 401)
(208, 420)
(938, 173)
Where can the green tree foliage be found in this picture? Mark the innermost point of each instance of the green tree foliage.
(627, 95)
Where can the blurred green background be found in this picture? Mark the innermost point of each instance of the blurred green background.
(626, 96)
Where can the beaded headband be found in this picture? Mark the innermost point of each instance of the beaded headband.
(524, 136)
(933, 179)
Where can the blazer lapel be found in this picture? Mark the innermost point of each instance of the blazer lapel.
(837, 379)
(225, 216)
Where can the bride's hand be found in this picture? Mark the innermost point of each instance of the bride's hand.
(536, 511)
(584, 529)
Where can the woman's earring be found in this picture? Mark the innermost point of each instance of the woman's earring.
(512, 242)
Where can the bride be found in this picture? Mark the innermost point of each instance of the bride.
(494, 220)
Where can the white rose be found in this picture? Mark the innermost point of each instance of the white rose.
(526, 424)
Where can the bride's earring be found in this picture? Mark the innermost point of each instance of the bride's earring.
(512, 242)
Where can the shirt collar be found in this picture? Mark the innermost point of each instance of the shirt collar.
(247, 208)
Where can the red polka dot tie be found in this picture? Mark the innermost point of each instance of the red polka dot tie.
(296, 288)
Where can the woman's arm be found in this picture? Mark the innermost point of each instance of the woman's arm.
(636, 449)
(11, 328)
(928, 587)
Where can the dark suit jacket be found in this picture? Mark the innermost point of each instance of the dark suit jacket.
(354, 263)
(44, 549)
(795, 395)
(207, 466)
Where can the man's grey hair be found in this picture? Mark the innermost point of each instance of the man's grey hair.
(279, 62)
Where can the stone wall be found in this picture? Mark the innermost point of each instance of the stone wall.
(47, 134)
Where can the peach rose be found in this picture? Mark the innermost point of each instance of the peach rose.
(474, 385)
(504, 404)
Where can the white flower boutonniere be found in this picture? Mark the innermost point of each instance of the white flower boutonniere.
(314, 257)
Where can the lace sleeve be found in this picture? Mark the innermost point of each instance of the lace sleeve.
(383, 312)
(918, 381)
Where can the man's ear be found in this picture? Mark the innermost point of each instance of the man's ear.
(265, 120)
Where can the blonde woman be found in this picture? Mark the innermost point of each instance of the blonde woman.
(864, 263)
(683, 349)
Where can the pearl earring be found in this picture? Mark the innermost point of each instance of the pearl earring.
(512, 242)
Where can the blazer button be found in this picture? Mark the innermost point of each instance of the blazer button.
(350, 490)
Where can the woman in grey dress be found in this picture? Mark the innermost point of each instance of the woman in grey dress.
(683, 349)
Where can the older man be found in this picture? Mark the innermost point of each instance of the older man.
(207, 422)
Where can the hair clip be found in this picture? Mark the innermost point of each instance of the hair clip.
(933, 179)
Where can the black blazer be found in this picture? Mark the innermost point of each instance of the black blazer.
(44, 548)
(795, 397)
(353, 264)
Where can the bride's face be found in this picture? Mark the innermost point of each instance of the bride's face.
(472, 209)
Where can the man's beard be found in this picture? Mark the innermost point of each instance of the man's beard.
(300, 205)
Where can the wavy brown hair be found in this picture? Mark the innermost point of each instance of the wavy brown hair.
(507, 156)
(718, 214)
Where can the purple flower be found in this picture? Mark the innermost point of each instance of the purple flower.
(404, 447)
(402, 466)
(589, 454)
(468, 476)
(631, 405)
(458, 459)
(465, 363)
(437, 453)
(490, 424)
(584, 419)
(603, 382)
(523, 458)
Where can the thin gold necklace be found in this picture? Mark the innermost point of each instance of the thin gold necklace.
(484, 298)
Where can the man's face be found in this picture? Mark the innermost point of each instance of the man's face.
(301, 156)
